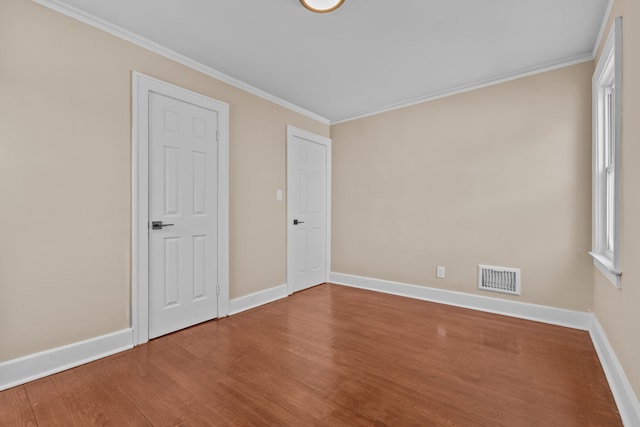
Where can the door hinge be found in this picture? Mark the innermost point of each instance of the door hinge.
(218, 135)
(217, 289)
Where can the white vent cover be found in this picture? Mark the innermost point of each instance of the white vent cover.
(499, 279)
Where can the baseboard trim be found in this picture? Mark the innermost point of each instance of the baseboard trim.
(539, 313)
(32, 367)
(256, 299)
(38, 365)
(623, 393)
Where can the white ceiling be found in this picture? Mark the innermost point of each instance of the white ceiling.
(368, 55)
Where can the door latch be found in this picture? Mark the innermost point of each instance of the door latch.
(157, 225)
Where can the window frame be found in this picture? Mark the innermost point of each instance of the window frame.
(607, 138)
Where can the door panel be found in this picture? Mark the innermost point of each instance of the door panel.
(171, 270)
(183, 195)
(307, 167)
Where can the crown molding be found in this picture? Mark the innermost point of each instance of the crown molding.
(197, 66)
(603, 27)
(144, 43)
(468, 88)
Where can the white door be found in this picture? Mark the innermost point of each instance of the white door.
(307, 171)
(183, 205)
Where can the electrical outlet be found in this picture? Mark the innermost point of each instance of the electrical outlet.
(279, 195)
(440, 272)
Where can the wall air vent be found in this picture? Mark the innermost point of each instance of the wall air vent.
(499, 279)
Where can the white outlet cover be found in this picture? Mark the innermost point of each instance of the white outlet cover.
(279, 195)
(440, 272)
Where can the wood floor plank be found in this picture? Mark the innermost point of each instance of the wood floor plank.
(345, 417)
(15, 409)
(298, 395)
(220, 342)
(212, 414)
(59, 400)
(336, 356)
(162, 400)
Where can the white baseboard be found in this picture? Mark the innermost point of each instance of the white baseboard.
(22, 370)
(539, 313)
(247, 302)
(623, 394)
(38, 365)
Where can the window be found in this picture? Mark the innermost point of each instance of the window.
(607, 103)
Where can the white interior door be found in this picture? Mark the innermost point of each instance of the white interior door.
(183, 243)
(307, 201)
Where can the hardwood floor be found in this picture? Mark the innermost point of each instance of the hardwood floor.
(335, 356)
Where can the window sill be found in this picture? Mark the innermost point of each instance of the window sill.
(605, 265)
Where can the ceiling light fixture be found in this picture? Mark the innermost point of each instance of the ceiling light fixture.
(322, 6)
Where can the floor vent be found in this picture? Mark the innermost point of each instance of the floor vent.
(499, 279)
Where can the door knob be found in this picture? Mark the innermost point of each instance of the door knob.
(157, 225)
(296, 222)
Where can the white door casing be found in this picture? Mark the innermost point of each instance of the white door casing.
(308, 205)
(187, 245)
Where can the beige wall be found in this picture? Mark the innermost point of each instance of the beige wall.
(619, 310)
(65, 143)
(498, 176)
(454, 182)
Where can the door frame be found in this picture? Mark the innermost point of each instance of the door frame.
(142, 85)
(303, 134)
